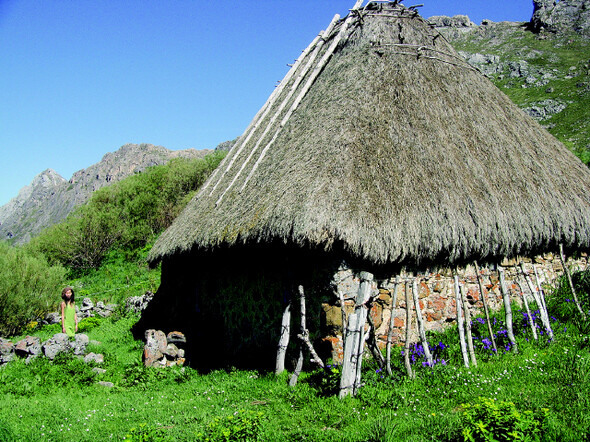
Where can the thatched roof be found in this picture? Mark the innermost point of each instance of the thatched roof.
(399, 152)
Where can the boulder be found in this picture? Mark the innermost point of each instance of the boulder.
(80, 343)
(6, 351)
(29, 346)
(171, 350)
(53, 318)
(97, 358)
(154, 348)
(175, 337)
(138, 303)
(59, 343)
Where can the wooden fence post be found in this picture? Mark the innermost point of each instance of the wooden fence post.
(507, 310)
(460, 321)
(485, 308)
(354, 342)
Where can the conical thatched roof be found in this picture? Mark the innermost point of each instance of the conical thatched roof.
(399, 152)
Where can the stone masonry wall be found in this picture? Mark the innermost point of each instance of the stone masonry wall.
(437, 297)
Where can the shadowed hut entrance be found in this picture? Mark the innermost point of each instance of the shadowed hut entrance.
(381, 146)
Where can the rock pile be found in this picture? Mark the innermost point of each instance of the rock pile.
(138, 304)
(163, 350)
(31, 347)
(87, 310)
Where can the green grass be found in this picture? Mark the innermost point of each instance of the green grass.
(63, 400)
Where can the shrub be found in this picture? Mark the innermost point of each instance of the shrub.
(29, 287)
(243, 425)
(491, 420)
(126, 215)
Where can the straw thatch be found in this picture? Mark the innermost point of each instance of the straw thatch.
(400, 152)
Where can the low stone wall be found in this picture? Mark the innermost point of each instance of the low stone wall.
(31, 347)
(436, 295)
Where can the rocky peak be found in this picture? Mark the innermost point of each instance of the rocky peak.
(561, 16)
(50, 198)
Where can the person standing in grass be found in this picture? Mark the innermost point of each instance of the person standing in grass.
(69, 319)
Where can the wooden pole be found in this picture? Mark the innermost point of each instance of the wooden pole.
(390, 330)
(570, 282)
(468, 326)
(507, 310)
(304, 341)
(529, 315)
(540, 288)
(372, 340)
(542, 311)
(269, 125)
(420, 321)
(343, 313)
(460, 322)
(354, 342)
(408, 329)
(284, 339)
(485, 308)
(311, 79)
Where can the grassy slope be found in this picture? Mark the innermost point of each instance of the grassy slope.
(62, 400)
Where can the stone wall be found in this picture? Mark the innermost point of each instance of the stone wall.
(436, 294)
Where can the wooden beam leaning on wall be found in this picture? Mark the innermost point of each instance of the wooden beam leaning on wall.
(485, 307)
(354, 340)
(284, 338)
(570, 282)
(507, 309)
(459, 309)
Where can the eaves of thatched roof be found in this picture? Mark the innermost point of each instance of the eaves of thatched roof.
(398, 151)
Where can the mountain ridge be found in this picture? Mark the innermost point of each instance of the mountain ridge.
(49, 198)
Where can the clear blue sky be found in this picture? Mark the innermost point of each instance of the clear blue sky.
(80, 78)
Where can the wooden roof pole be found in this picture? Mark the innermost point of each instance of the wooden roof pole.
(303, 72)
(322, 63)
(263, 112)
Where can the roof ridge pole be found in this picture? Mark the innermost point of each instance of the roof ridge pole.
(319, 67)
(303, 72)
(262, 113)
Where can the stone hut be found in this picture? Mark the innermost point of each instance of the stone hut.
(381, 151)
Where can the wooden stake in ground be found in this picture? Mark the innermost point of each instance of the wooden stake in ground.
(390, 330)
(304, 342)
(542, 310)
(284, 339)
(354, 341)
(507, 310)
(540, 288)
(485, 308)
(408, 329)
(570, 282)
(420, 322)
(372, 339)
(529, 314)
(459, 309)
(468, 326)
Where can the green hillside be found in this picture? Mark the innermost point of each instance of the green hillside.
(546, 74)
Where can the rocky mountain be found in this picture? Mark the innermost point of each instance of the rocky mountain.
(543, 65)
(50, 198)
